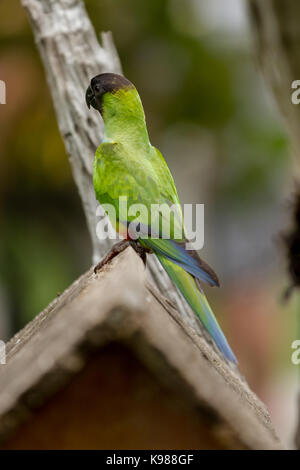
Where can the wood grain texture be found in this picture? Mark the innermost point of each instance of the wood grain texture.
(58, 343)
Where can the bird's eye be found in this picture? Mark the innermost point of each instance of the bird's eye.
(97, 88)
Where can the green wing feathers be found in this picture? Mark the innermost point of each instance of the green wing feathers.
(145, 179)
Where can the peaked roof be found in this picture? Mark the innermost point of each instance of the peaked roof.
(119, 304)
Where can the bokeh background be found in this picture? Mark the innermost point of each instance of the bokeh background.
(213, 117)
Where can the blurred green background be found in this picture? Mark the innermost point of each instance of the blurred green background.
(213, 117)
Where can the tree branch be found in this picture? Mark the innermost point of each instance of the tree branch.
(277, 35)
(276, 24)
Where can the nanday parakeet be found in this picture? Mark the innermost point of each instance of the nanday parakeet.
(127, 165)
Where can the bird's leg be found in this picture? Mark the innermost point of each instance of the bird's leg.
(114, 251)
(140, 250)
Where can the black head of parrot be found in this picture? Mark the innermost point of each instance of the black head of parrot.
(101, 84)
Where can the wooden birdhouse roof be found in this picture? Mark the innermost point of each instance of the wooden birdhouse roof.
(119, 305)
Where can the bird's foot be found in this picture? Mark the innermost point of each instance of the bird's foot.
(140, 250)
(114, 251)
(121, 246)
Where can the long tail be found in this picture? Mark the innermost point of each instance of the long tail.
(196, 299)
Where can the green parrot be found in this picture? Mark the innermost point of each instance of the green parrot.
(127, 166)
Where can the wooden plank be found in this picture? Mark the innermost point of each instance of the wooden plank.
(118, 304)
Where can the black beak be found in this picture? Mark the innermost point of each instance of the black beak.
(89, 97)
